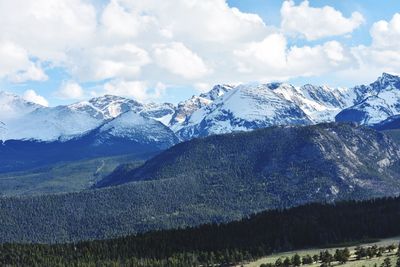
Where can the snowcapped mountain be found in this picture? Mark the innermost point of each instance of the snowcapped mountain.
(107, 107)
(186, 108)
(320, 103)
(160, 112)
(49, 124)
(13, 106)
(135, 127)
(244, 108)
(22, 120)
(130, 133)
(224, 109)
(375, 103)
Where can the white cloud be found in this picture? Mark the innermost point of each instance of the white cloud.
(31, 96)
(33, 73)
(314, 23)
(201, 20)
(273, 59)
(16, 65)
(202, 87)
(386, 34)
(129, 46)
(269, 53)
(48, 29)
(99, 63)
(383, 55)
(70, 90)
(138, 90)
(178, 59)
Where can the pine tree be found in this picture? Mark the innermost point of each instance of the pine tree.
(296, 260)
(286, 262)
(386, 262)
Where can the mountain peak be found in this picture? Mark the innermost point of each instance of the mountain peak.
(217, 91)
(274, 85)
(387, 80)
(386, 75)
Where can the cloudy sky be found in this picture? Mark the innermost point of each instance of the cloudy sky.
(63, 51)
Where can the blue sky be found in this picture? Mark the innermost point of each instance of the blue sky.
(73, 50)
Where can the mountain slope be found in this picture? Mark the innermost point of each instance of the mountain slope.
(215, 179)
(244, 108)
(13, 106)
(391, 123)
(107, 107)
(186, 108)
(129, 133)
(51, 124)
(381, 100)
(333, 160)
(320, 103)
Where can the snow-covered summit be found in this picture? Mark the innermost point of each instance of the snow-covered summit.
(13, 106)
(107, 106)
(223, 109)
(244, 108)
(186, 108)
(135, 127)
(379, 101)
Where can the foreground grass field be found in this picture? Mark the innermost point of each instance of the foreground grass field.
(353, 262)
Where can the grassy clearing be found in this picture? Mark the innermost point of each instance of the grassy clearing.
(352, 263)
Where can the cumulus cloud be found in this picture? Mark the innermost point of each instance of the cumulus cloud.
(48, 29)
(384, 53)
(16, 65)
(70, 90)
(127, 47)
(200, 20)
(105, 62)
(273, 59)
(386, 34)
(31, 96)
(180, 60)
(314, 23)
(138, 90)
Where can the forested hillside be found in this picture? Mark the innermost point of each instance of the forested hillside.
(215, 179)
(312, 225)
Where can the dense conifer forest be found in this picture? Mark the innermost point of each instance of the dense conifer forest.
(312, 225)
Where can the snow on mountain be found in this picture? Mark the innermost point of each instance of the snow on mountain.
(135, 127)
(217, 91)
(320, 103)
(107, 107)
(13, 106)
(186, 108)
(244, 108)
(50, 124)
(223, 109)
(380, 100)
(160, 112)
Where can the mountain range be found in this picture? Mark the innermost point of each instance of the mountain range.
(224, 109)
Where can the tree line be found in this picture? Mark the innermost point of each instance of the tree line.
(311, 225)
